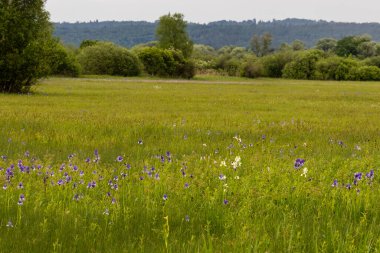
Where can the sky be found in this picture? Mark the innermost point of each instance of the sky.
(204, 11)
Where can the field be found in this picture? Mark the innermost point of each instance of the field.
(210, 165)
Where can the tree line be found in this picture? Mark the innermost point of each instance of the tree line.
(28, 51)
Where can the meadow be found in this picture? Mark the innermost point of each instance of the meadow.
(209, 165)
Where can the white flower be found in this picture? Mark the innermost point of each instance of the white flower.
(223, 164)
(236, 163)
(237, 177)
(304, 172)
(237, 138)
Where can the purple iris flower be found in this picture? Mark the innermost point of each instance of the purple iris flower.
(299, 163)
(88, 160)
(60, 182)
(5, 186)
(358, 176)
(335, 184)
(225, 202)
(186, 185)
(165, 197)
(348, 186)
(187, 218)
(91, 184)
(119, 159)
(370, 174)
(140, 142)
(20, 185)
(76, 197)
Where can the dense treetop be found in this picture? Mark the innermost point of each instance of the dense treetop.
(216, 34)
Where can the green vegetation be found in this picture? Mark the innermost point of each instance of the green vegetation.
(25, 36)
(229, 183)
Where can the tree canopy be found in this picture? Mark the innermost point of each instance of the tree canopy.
(25, 34)
(171, 34)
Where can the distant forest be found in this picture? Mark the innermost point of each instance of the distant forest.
(216, 34)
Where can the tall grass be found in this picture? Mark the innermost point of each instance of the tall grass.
(178, 185)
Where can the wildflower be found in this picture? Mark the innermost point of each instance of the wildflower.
(22, 197)
(27, 154)
(157, 176)
(335, 184)
(75, 168)
(113, 201)
(60, 182)
(223, 164)
(20, 185)
(128, 166)
(236, 163)
(140, 142)
(222, 177)
(76, 197)
(91, 184)
(119, 159)
(81, 173)
(299, 163)
(340, 143)
(237, 138)
(165, 197)
(115, 187)
(106, 212)
(10, 224)
(20, 203)
(237, 177)
(88, 160)
(304, 172)
(187, 218)
(225, 202)
(358, 176)
(204, 145)
(186, 185)
(5, 186)
(348, 186)
(358, 148)
(370, 174)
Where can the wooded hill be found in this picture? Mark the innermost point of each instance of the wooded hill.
(216, 34)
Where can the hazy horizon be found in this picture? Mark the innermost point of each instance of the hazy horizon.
(198, 11)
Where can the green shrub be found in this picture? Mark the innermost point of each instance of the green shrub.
(166, 63)
(368, 73)
(303, 66)
(336, 68)
(63, 62)
(346, 69)
(274, 64)
(252, 69)
(108, 59)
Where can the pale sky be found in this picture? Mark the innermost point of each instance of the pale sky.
(204, 11)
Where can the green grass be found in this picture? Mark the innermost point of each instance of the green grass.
(334, 126)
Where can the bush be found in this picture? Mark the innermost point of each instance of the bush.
(63, 62)
(105, 58)
(303, 66)
(346, 69)
(166, 63)
(368, 73)
(274, 64)
(372, 61)
(252, 69)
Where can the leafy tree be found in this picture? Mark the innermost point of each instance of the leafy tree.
(274, 64)
(25, 37)
(88, 43)
(350, 45)
(326, 44)
(261, 45)
(298, 45)
(171, 34)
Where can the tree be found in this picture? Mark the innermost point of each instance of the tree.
(350, 45)
(171, 34)
(261, 45)
(25, 37)
(326, 44)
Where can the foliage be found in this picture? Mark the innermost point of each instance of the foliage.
(326, 44)
(349, 46)
(166, 63)
(171, 34)
(63, 61)
(274, 64)
(25, 37)
(368, 73)
(216, 34)
(105, 58)
(252, 69)
(88, 43)
(303, 66)
(261, 45)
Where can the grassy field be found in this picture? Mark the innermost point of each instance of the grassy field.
(116, 165)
